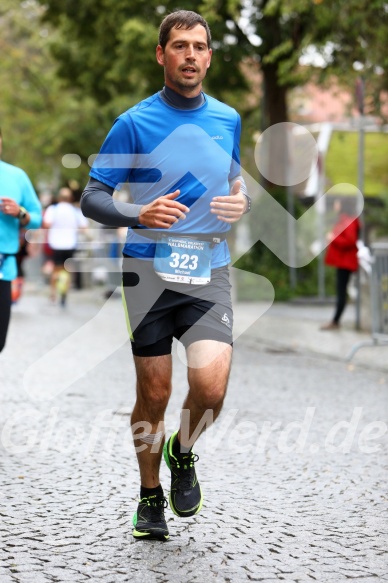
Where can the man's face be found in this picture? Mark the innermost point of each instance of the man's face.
(186, 59)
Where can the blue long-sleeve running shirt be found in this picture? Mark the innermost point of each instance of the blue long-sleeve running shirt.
(14, 183)
(158, 148)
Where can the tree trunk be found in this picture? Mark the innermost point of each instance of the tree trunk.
(275, 152)
(275, 97)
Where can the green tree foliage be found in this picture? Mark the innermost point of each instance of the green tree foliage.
(106, 47)
(105, 56)
(27, 88)
(352, 38)
(41, 119)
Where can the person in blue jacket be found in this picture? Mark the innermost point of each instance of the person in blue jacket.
(19, 207)
(180, 152)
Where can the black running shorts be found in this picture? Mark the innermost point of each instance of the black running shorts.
(61, 255)
(158, 311)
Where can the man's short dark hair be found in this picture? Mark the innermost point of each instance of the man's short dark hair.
(185, 19)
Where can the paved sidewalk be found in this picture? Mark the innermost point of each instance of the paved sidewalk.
(296, 327)
(293, 472)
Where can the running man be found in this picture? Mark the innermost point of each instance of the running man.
(179, 150)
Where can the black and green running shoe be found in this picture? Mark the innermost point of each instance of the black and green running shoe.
(148, 521)
(185, 494)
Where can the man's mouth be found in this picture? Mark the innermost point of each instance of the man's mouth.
(189, 70)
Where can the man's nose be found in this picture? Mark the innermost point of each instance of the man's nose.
(190, 53)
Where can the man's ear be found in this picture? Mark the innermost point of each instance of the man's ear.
(210, 58)
(160, 55)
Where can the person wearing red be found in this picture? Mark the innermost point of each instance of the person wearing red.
(342, 254)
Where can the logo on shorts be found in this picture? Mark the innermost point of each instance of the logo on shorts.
(225, 319)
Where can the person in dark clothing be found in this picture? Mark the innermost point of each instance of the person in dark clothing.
(342, 254)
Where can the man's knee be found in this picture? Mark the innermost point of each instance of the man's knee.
(211, 397)
(155, 396)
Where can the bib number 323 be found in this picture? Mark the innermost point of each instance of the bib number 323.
(183, 260)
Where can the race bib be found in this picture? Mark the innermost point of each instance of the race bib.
(183, 260)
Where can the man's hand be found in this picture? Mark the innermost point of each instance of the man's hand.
(163, 212)
(9, 206)
(230, 208)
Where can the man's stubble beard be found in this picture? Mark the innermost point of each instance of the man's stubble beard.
(186, 85)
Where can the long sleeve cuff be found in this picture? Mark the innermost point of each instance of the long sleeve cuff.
(97, 203)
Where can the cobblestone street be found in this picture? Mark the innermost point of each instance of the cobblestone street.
(293, 472)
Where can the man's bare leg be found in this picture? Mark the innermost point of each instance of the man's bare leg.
(153, 391)
(207, 387)
(53, 282)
